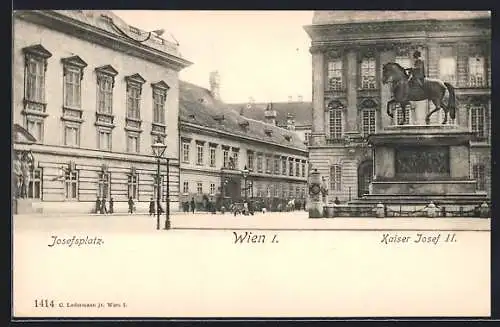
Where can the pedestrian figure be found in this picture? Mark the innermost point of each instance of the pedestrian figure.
(336, 201)
(103, 206)
(111, 209)
(245, 208)
(192, 205)
(151, 207)
(130, 205)
(97, 205)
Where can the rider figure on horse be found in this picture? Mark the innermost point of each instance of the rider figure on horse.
(417, 73)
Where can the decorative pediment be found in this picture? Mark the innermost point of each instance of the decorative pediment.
(74, 61)
(333, 53)
(133, 171)
(37, 50)
(368, 104)
(334, 104)
(104, 168)
(107, 70)
(368, 52)
(135, 79)
(71, 165)
(160, 85)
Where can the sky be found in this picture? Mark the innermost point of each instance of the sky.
(259, 54)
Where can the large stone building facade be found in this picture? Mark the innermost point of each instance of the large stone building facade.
(348, 51)
(95, 93)
(218, 142)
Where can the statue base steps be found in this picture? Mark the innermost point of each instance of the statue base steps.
(25, 206)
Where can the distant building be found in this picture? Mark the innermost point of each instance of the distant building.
(217, 142)
(292, 115)
(349, 100)
(95, 93)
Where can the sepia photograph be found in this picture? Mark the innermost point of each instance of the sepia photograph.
(177, 164)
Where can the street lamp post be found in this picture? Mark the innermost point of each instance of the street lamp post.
(158, 151)
(245, 177)
(167, 204)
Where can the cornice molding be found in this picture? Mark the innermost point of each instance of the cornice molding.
(66, 25)
(426, 26)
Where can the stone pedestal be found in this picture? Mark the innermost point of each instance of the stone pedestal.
(24, 207)
(316, 209)
(418, 163)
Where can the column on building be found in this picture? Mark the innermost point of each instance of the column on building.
(351, 88)
(386, 55)
(318, 72)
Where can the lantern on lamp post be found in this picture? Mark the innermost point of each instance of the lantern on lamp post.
(158, 151)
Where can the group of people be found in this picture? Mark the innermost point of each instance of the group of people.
(100, 206)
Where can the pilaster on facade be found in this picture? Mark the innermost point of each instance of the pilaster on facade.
(318, 67)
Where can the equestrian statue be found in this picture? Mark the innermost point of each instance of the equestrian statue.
(411, 84)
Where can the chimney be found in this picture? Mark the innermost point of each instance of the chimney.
(270, 114)
(290, 99)
(299, 98)
(215, 84)
(290, 121)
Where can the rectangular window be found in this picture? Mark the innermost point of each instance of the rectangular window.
(159, 97)
(368, 121)
(276, 191)
(297, 168)
(336, 178)
(368, 73)
(199, 188)
(290, 168)
(250, 161)
(105, 94)
(335, 123)
(199, 154)
(133, 101)
(335, 75)
(35, 80)
(133, 143)
(35, 127)
(104, 185)
(71, 185)
(268, 165)
(259, 190)
(283, 191)
(104, 139)
(448, 69)
(477, 72)
(72, 135)
(185, 187)
(35, 184)
(259, 163)
(225, 158)
(212, 188)
(399, 118)
(185, 152)
(307, 135)
(277, 166)
(235, 160)
(303, 170)
(133, 186)
(155, 186)
(283, 166)
(72, 87)
(479, 173)
(212, 156)
(477, 119)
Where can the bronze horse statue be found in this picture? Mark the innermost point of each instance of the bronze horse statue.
(403, 91)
